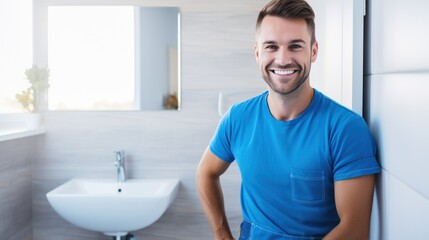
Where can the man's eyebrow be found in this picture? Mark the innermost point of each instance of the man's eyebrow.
(297, 41)
(269, 42)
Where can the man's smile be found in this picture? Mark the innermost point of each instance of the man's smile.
(283, 72)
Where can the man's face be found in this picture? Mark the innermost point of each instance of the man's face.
(284, 53)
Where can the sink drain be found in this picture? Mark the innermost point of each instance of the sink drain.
(129, 236)
(119, 190)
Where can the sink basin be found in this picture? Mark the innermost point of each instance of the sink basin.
(105, 205)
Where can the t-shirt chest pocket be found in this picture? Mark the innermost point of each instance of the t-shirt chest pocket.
(307, 186)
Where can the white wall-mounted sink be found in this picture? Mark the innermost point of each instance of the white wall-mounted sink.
(114, 208)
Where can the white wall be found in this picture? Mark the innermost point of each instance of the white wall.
(397, 79)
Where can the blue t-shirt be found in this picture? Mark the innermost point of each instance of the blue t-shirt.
(288, 168)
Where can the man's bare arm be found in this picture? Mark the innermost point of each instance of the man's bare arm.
(208, 185)
(353, 198)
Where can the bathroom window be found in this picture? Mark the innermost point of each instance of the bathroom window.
(73, 33)
(15, 51)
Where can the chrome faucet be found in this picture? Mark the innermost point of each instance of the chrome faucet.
(120, 166)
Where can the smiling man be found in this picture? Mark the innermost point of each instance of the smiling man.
(307, 163)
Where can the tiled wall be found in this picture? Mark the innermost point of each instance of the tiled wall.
(15, 189)
(397, 92)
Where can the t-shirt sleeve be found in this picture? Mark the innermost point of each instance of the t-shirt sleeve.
(353, 151)
(220, 144)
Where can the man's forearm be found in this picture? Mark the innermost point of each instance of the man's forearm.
(211, 198)
(342, 231)
(353, 199)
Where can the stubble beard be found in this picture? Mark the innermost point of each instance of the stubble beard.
(302, 79)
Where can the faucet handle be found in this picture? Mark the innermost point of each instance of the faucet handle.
(119, 153)
(119, 157)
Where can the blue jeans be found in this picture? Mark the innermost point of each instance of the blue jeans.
(251, 231)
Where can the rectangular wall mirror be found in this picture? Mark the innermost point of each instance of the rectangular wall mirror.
(112, 57)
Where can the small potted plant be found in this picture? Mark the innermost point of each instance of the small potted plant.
(33, 98)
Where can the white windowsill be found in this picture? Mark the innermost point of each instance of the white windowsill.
(10, 134)
(20, 125)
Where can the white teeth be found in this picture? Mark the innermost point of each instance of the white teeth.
(283, 72)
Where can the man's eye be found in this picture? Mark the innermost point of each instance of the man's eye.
(295, 46)
(271, 47)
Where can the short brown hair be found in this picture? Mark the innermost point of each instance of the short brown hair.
(298, 9)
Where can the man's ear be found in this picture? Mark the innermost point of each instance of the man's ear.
(256, 52)
(314, 51)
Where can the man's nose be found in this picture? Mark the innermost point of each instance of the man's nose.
(283, 57)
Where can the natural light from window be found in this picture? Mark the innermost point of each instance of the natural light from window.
(16, 51)
(82, 46)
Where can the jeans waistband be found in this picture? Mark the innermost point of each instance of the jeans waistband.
(251, 231)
